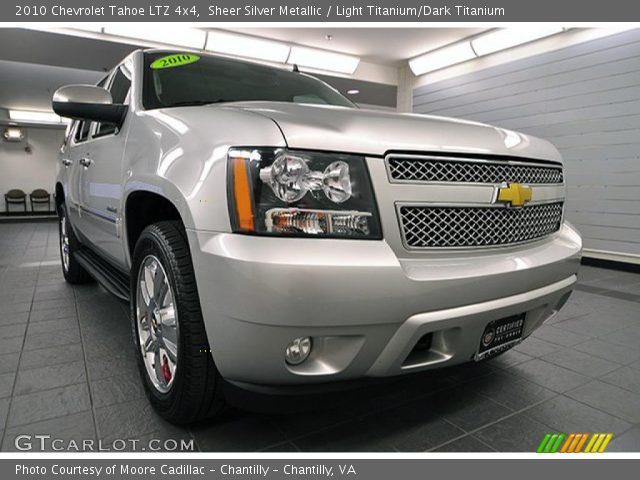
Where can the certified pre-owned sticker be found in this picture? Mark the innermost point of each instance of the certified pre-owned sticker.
(176, 60)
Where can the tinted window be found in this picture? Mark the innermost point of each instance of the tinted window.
(213, 80)
(82, 132)
(119, 90)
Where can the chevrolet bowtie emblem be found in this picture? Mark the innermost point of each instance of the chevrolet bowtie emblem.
(514, 194)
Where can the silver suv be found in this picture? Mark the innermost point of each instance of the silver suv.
(268, 232)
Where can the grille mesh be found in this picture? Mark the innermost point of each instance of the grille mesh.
(437, 170)
(450, 227)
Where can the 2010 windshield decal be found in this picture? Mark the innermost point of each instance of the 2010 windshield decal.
(176, 60)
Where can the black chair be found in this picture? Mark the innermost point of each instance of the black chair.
(15, 197)
(39, 197)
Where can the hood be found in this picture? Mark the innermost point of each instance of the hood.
(372, 132)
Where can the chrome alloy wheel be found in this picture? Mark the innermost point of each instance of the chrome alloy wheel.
(64, 242)
(157, 323)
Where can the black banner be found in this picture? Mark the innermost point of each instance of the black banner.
(318, 11)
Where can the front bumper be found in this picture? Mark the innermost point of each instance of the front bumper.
(365, 308)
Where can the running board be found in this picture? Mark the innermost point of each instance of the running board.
(111, 278)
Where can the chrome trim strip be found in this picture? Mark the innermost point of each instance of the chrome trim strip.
(554, 166)
(399, 205)
(98, 215)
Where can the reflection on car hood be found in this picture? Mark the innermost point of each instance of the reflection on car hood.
(372, 132)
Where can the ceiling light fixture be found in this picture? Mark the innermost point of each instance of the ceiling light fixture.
(34, 116)
(353, 91)
(486, 44)
(442, 57)
(510, 37)
(13, 135)
(181, 36)
(245, 46)
(323, 60)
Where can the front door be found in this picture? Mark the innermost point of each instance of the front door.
(71, 161)
(101, 178)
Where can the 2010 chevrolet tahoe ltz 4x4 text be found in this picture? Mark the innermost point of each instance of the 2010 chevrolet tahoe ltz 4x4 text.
(268, 232)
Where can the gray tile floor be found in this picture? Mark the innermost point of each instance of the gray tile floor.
(67, 369)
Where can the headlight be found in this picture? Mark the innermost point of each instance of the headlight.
(285, 192)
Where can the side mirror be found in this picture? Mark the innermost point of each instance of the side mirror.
(88, 102)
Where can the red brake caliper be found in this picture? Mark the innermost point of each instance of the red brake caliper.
(166, 371)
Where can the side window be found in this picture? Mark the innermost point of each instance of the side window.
(84, 127)
(67, 134)
(119, 91)
(82, 132)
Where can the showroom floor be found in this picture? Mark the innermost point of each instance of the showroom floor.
(67, 369)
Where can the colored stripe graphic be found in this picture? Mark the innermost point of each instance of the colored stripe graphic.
(578, 442)
(554, 442)
(565, 447)
(599, 442)
(591, 442)
(543, 443)
(551, 443)
(581, 443)
(556, 446)
(606, 441)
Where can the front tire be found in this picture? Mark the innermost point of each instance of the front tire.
(73, 272)
(172, 349)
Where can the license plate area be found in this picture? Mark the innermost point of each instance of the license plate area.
(500, 335)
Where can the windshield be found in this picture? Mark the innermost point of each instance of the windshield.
(198, 79)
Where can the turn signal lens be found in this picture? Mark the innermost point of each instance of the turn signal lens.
(327, 222)
(242, 195)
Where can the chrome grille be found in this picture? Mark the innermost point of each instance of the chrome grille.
(460, 227)
(433, 169)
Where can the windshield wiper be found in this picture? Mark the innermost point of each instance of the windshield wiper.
(195, 103)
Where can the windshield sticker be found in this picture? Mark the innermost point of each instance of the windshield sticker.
(176, 60)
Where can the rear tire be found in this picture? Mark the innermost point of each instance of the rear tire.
(174, 358)
(73, 272)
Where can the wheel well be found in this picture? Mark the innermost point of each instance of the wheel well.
(143, 209)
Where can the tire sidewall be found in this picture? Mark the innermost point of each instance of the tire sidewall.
(74, 274)
(150, 244)
(62, 217)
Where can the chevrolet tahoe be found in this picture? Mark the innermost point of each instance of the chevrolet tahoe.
(269, 233)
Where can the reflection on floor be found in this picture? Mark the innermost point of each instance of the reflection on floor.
(67, 369)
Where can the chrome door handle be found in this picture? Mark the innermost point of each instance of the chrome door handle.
(66, 162)
(86, 162)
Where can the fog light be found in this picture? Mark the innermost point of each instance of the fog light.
(298, 351)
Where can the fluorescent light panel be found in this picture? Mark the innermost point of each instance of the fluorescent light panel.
(34, 116)
(483, 45)
(245, 46)
(88, 27)
(443, 57)
(183, 37)
(323, 60)
(510, 37)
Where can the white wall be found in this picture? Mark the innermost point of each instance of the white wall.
(584, 98)
(28, 171)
